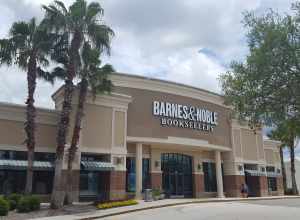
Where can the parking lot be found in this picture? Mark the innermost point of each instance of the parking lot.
(249, 210)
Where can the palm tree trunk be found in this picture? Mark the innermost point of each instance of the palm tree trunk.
(293, 170)
(75, 138)
(283, 169)
(30, 122)
(58, 192)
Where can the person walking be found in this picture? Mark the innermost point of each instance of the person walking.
(244, 190)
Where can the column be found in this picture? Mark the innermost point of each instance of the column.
(138, 170)
(219, 174)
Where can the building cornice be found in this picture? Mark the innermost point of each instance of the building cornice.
(15, 112)
(200, 144)
(146, 83)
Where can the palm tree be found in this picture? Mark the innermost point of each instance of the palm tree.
(80, 22)
(279, 134)
(95, 78)
(28, 47)
(287, 132)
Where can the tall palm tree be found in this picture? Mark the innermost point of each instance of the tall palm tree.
(28, 46)
(279, 135)
(95, 78)
(287, 132)
(80, 22)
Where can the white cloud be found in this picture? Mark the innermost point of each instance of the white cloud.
(155, 38)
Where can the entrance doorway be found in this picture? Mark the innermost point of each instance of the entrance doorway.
(176, 174)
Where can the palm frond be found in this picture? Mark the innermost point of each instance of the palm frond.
(7, 52)
(101, 36)
(94, 10)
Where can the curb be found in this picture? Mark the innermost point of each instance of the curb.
(185, 203)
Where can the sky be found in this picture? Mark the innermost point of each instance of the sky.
(190, 41)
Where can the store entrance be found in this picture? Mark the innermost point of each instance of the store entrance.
(176, 174)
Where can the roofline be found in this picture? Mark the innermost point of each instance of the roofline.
(166, 81)
(152, 79)
(14, 105)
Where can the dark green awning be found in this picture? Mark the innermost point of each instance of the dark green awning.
(254, 173)
(273, 174)
(22, 165)
(97, 166)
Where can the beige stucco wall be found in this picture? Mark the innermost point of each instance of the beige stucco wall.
(142, 123)
(13, 134)
(119, 128)
(97, 128)
(249, 147)
(271, 152)
(237, 146)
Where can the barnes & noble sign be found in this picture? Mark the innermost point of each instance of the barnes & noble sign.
(182, 116)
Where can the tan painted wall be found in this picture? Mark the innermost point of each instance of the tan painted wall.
(119, 128)
(237, 142)
(261, 153)
(249, 147)
(272, 157)
(12, 134)
(141, 122)
(97, 127)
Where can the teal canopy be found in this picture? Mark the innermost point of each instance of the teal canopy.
(97, 166)
(22, 165)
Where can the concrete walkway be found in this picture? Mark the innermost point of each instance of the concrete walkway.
(154, 205)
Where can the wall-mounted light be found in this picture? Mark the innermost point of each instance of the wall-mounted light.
(278, 171)
(156, 163)
(199, 167)
(240, 167)
(118, 160)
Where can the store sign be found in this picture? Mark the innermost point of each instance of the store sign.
(182, 116)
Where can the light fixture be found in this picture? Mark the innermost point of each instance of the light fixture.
(156, 163)
(199, 167)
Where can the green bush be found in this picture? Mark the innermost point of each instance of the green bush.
(35, 203)
(13, 200)
(4, 207)
(24, 204)
(156, 192)
(28, 203)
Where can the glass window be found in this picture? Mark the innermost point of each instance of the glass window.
(12, 181)
(88, 183)
(146, 173)
(272, 184)
(210, 181)
(130, 174)
(270, 169)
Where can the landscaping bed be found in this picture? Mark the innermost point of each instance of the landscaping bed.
(45, 211)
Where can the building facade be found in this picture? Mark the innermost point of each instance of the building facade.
(147, 133)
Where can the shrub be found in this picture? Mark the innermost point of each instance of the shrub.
(156, 192)
(28, 203)
(24, 204)
(108, 205)
(13, 200)
(35, 203)
(4, 207)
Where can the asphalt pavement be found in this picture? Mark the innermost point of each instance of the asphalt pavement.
(283, 209)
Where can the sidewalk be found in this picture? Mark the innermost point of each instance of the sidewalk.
(153, 205)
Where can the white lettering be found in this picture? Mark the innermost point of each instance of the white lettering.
(162, 110)
(155, 108)
(185, 112)
(179, 111)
